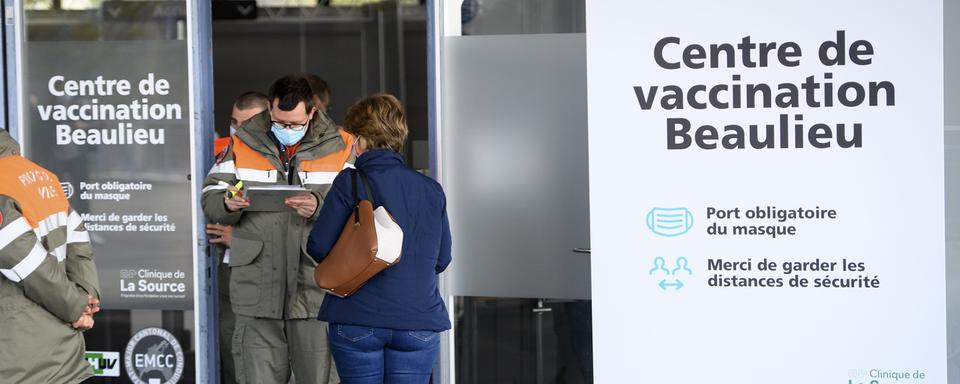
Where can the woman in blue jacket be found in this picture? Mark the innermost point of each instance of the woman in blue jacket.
(387, 331)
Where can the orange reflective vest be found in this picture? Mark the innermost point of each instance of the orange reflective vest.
(220, 144)
(37, 191)
(43, 205)
(251, 166)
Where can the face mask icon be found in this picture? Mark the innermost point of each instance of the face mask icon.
(67, 189)
(669, 221)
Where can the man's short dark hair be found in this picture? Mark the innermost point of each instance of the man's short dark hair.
(290, 91)
(319, 86)
(252, 100)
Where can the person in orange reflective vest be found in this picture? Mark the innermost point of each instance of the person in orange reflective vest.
(245, 106)
(49, 288)
(272, 291)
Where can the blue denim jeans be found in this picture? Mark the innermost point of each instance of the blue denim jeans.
(366, 355)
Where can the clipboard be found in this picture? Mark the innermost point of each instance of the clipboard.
(270, 198)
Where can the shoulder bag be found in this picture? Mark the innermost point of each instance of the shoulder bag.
(370, 242)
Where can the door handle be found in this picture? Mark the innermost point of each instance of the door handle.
(581, 250)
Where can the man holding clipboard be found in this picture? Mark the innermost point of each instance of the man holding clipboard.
(270, 184)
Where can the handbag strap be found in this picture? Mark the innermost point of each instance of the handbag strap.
(368, 188)
(356, 198)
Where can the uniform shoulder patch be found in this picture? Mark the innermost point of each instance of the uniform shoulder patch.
(223, 152)
(222, 155)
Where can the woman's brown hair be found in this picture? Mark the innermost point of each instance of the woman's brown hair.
(379, 120)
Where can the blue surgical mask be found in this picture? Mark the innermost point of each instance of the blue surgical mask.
(287, 137)
(232, 130)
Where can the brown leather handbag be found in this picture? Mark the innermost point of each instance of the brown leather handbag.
(353, 259)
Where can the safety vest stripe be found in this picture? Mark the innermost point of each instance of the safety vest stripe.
(73, 221)
(250, 174)
(26, 266)
(246, 157)
(13, 230)
(73, 235)
(216, 187)
(51, 223)
(78, 237)
(224, 167)
(317, 177)
(331, 162)
(60, 252)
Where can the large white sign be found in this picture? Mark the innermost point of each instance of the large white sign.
(766, 184)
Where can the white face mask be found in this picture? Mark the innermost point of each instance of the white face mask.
(356, 147)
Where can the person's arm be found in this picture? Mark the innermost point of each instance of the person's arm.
(221, 177)
(445, 241)
(337, 206)
(220, 234)
(80, 266)
(25, 262)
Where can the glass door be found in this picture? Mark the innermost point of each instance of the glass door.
(105, 100)
(511, 152)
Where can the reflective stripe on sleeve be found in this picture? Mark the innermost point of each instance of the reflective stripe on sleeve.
(74, 221)
(60, 252)
(13, 230)
(224, 167)
(218, 186)
(73, 235)
(78, 237)
(26, 266)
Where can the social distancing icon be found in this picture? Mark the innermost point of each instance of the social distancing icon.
(672, 276)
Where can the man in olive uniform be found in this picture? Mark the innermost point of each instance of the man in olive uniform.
(49, 289)
(245, 106)
(272, 290)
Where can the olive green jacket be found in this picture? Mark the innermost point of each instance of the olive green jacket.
(46, 273)
(271, 273)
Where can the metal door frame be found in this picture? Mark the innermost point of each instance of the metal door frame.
(200, 83)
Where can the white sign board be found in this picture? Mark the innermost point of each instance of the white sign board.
(766, 185)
